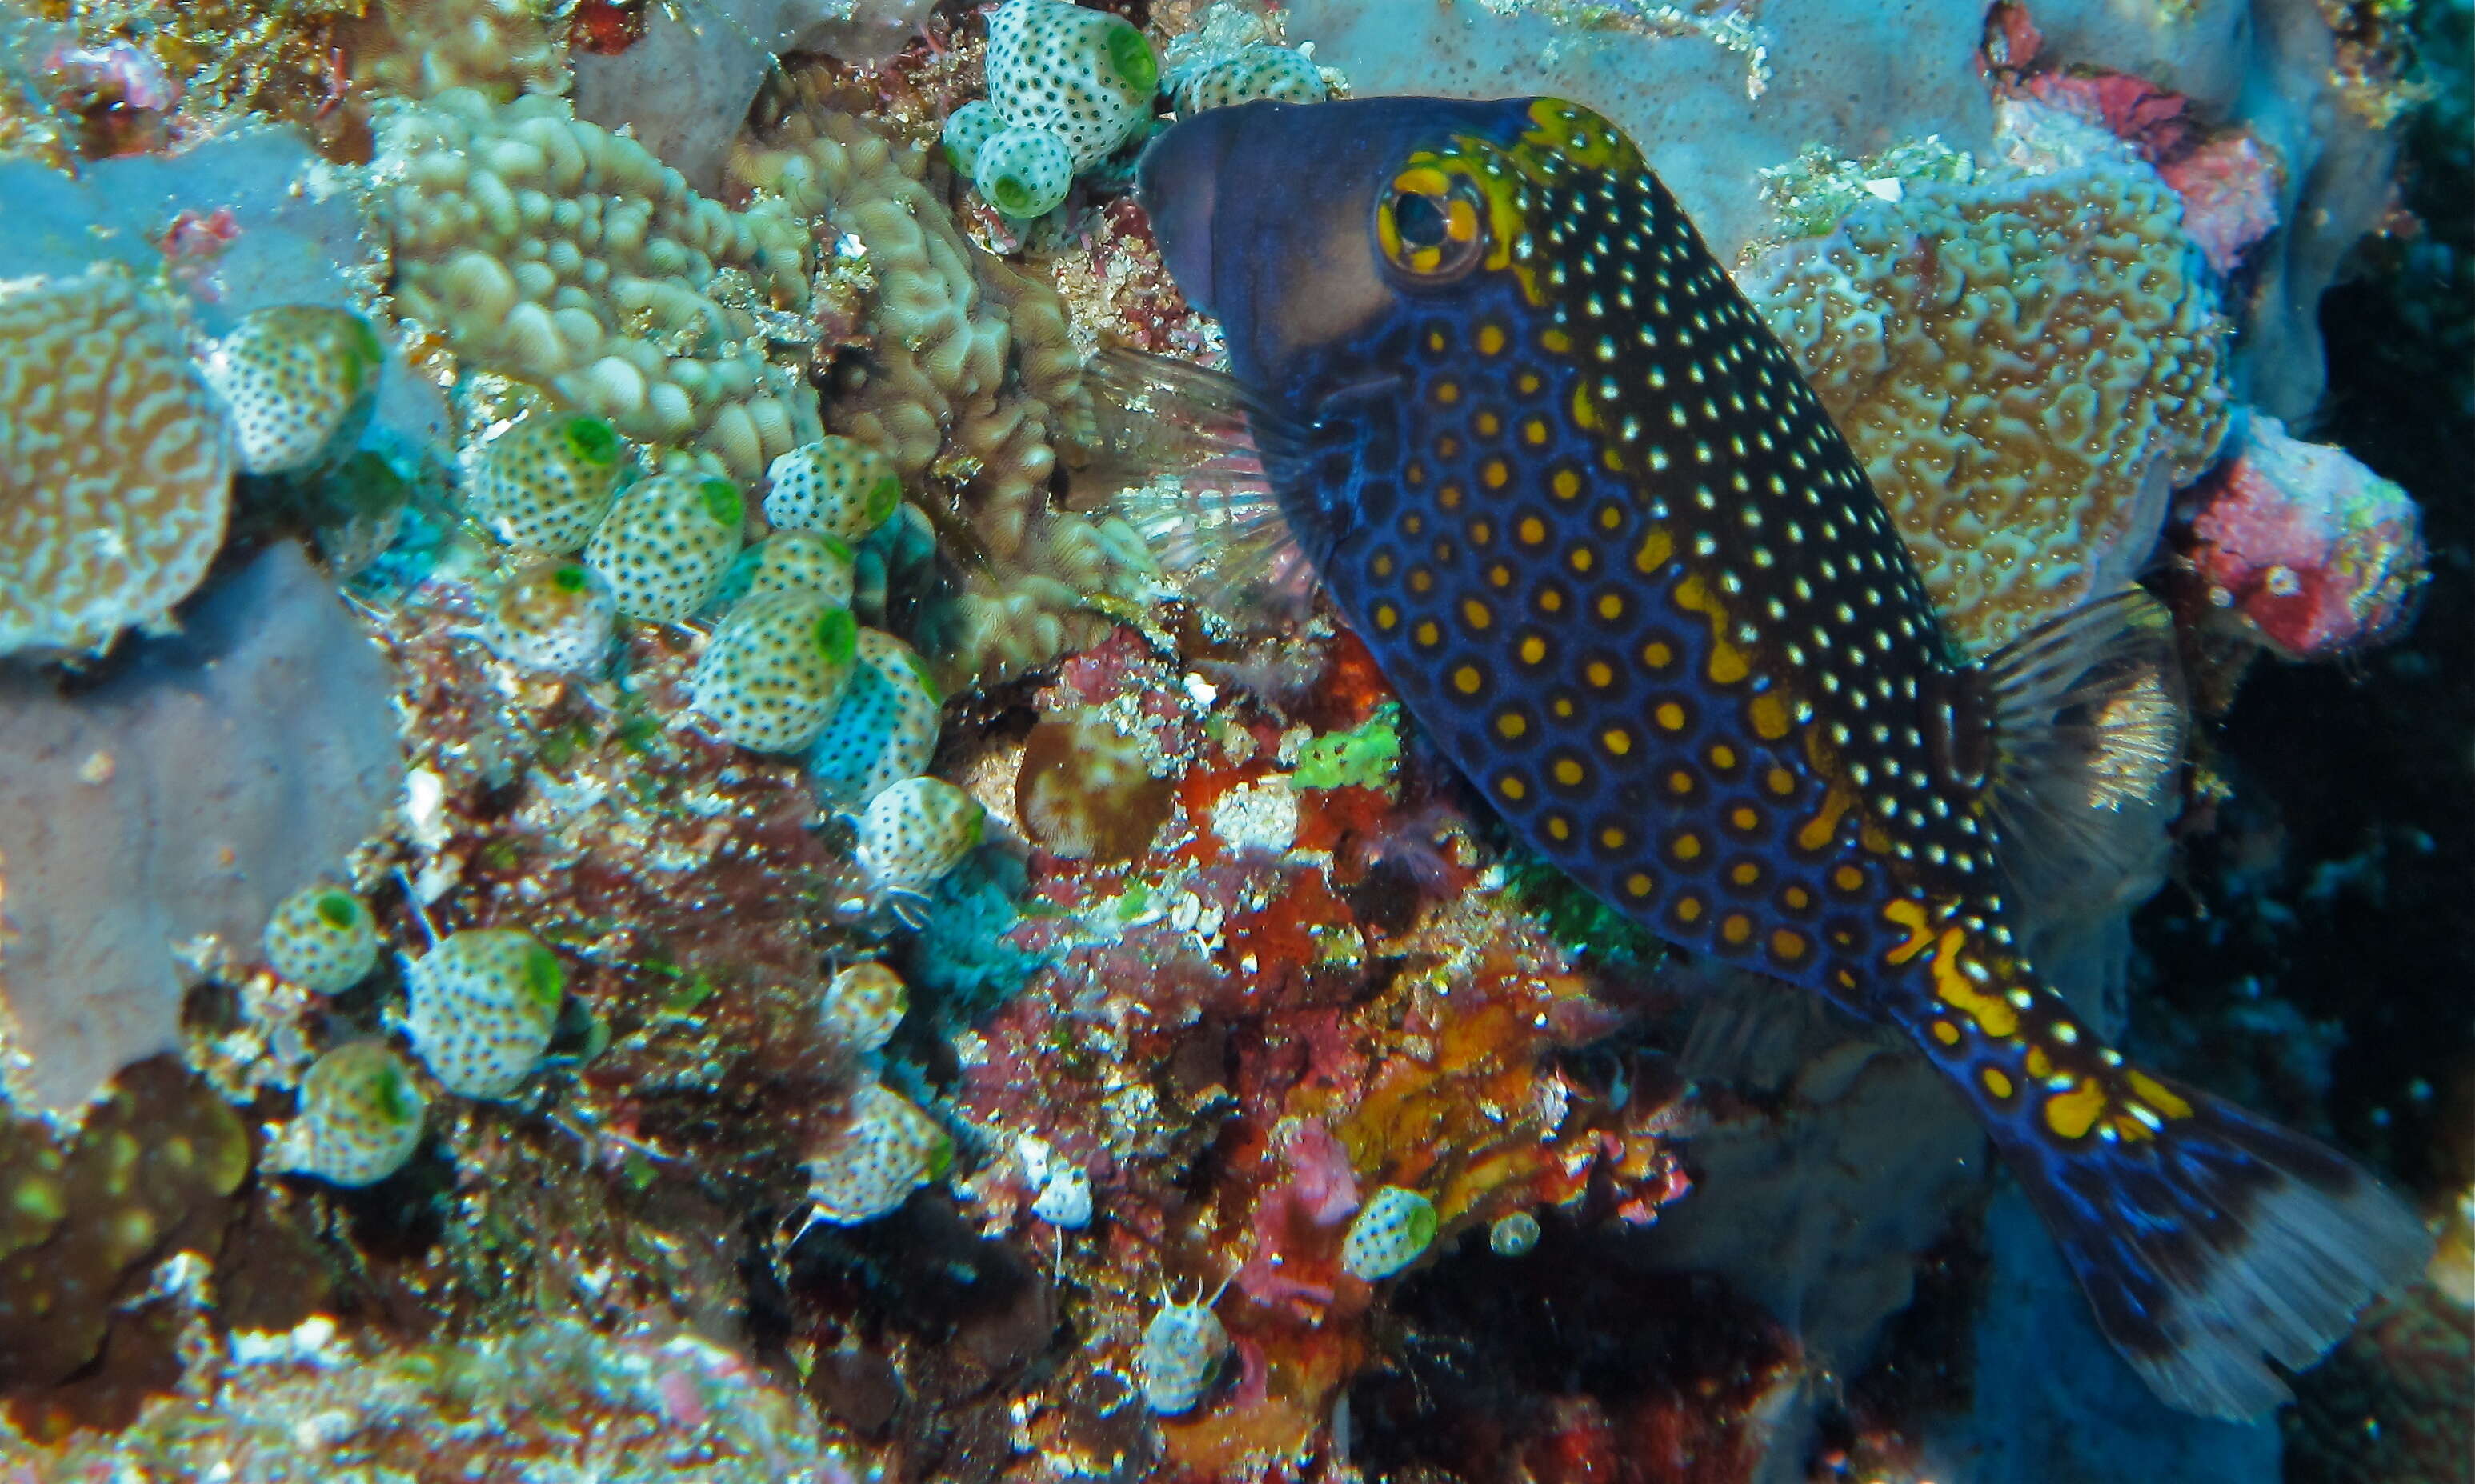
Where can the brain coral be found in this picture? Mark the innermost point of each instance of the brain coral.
(558, 253)
(2025, 364)
(115, 473)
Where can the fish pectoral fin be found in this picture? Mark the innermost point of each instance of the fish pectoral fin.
(2087, 721)
(2211, 1242)
(1189, 456)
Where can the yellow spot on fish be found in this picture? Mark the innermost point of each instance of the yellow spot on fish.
(1848, 878)
(1736, 928)
(1467, 680)
(1638, 885)
(1686, 847)
(1451, 496)
(1582, 559)
(1475, 614)
(1797, 898)
(1745, 818)
(1447, 391)
(1946, 1032)
(1428, 634)
(1997, 1083)
(1788, 943)
(1688, 909)
(1670, 716)
(1770, 717)
(1653, 552)
(1498, 575)
(1566, 483)
(1511, 725)
(1680, 783)
(1421, 580)
(1556, 342)
(1745, 873)
(1490, 339)
(1535, 433)
(1612, 836)
(2073, 1114)
(1569, 772)
(1387, 616)
(1511, 787)
(1657, 654)
(1533, 650)
(1994, 1015)
(1495, 473)
(1532, 531)
(1383, 564)
(1908, 917)
(1610, 606)
(1780, 781)
(1559, 826)
(2040, 1065)
(1481, 532)
(1728, 664)
(1722, 756)
(1487, 424)
(1617, 741)
(2159, 1096)
(1598, 673)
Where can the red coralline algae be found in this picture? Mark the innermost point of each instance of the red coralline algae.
(2300, 547)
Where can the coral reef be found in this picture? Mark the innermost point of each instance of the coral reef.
(2026, 364)
(971, 377)
(176, 802)
(2299, 548)
(552, 251)
(115, 475)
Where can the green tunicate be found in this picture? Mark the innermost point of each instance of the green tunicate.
(1132, 58)
(836, 636)
(543, 978)
(721, 501)
(593, 441)
(1362, 757)
(341, 912)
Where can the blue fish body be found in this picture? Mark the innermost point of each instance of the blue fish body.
(1610, 551)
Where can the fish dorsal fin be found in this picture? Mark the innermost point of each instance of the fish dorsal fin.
(2085, 722)
(1191, 454)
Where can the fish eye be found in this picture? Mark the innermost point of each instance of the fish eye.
(1432, 227)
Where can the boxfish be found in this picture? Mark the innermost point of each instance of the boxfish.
(1607, 546)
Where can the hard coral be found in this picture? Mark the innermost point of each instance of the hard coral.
(115, 475)
(969, 376)
(2025, 364)
(556, 252)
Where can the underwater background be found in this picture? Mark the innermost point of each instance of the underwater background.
(656, 823)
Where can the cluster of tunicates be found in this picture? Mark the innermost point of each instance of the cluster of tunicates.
(1068, 87)
(480, 1008)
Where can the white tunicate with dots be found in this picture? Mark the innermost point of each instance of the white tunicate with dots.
(1182, 1350)
(480, 1008)
(360, 1117)
(1084, 76)
(665, 545)
(1065, 1198)
(322, 939)
(1390, 1231)
(914, 833)
(1024, 173)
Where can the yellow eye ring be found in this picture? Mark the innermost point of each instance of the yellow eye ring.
(1430, 226)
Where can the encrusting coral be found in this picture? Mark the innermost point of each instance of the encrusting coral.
(115, 478)
(2026, 364)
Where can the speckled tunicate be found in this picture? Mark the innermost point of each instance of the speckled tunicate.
(665, 545)
(914, 832)
(1514, 1235)
(322, 939)
(883, 731)
(1390, 1231)
(770, 676)
(298, 384)
(967, 129)
(1258, 71)
(836, 485)
(862, 1006)
(1024, 172)
(361, 1116)
(1085, 75)
(482, 1004)
(810, 563)
(1065, 1198)
(1182, 1350)
(546, 480)
(552, 615)
(886, 1148)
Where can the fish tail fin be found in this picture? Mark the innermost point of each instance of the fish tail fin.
(2211, 1242)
